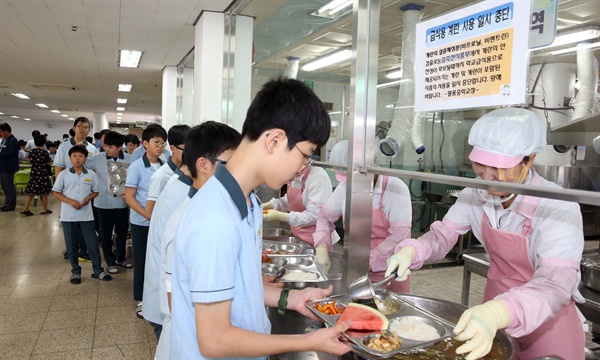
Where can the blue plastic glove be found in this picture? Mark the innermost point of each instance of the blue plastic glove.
(479, 325)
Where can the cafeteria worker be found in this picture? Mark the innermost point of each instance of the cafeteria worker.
(534, 245)
(390, 220)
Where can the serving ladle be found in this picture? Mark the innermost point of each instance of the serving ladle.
(363, 289)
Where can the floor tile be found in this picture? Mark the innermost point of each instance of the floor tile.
(107, 352)
(116, 334)
(69, 319)
(74, 301)
(10, 279)
(24, 305)
(116, 299)
(116, 315)
(22, 291)
(66, 355)
(39, 279)
(19, 323)
(136, 351)
(17, 345)
(51, 341)
(6, 290)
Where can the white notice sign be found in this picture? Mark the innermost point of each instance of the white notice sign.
(473, 57)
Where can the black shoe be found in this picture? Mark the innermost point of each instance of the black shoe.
(65, 255)
(7, 210)
(76, 279)
(102, 276)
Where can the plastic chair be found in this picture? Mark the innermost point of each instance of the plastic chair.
(21, 180)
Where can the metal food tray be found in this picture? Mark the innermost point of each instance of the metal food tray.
(288, 247)
(117, 175)
(295, 264)
(405, 308)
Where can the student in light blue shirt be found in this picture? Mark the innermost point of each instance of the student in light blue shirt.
(176, 137)
(138, 180)
(111, 209)
(141, 150)
(76, 188)
(203, 145)
(218, 295)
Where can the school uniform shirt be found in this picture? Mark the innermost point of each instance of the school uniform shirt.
(317, 189)
(159, 180)
(166, 260)
(138, 176)
(62, 154)
(106, 199)
(396, 207)
(555, 248)
(216, 256)
(76, 187)
(169, 200)
(141, 150)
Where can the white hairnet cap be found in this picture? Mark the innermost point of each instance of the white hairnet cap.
(503, 137)
(339, 155)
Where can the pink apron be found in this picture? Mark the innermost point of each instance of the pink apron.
(294, 196)
(379, 232)
(510, 266)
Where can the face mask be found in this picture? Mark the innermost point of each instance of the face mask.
(497, 200)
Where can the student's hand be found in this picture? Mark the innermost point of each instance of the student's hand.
(401, 261)
(478, 326)
(297, 299)
(275, 215)
(329, 340)
(268, 280)
(75, 204)
(85, 201)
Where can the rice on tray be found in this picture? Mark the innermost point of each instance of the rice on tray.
(300, 276)
(411, 328)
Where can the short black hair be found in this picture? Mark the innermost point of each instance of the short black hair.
(22, 142)
(152, 131)
(81, 119)
(97, 135)
(35, 133)
(78, 149)
(89, 139)
(114, 138)
(50, 144)
(66, 135)
(132, 138)
(72, 132)
(208, 140)
(291, 106)
(39, 140)
(104, 132)
(177, 133)
(5, 127)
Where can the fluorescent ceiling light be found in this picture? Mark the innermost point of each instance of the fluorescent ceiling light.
(329, 59)
(120, 108)
(575, 36)
(334, 6)
(119, 114)
(42, 105)
(393, 83)
(122, 101)
(65, 115)
(27, 119)
(394, 74)
(21, 96)
(71, 118)
(119, 118)
(124, 87)
(55, 111)
(575, 48)
(334, 112)
(129, 58)
(14, 116)
(340, 7)
(1, 113)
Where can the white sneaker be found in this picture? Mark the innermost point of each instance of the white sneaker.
(138, 311)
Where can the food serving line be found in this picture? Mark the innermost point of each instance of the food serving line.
(293, 256)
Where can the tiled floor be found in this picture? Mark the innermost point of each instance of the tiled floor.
(43, 316)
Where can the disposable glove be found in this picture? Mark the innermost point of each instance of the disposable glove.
(322, 255)
(275, 215)
(267, 206)
(478, 325)
(401, 261)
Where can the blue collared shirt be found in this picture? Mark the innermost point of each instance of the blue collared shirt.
(62, 154)
(76, 187)
(138, 176)
(159, 180)
(217, 257)
(106, 199)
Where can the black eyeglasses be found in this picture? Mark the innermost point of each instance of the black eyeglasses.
(309, 160)
(223, 162)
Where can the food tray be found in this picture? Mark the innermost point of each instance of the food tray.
(283, 248)
(295, 264)
(117, 175)
(404, 308)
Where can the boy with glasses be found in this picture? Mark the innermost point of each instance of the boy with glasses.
(138, 181)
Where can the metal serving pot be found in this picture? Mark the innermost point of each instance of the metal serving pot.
(590, 272)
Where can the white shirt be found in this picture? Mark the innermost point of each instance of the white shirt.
(159, 179)
(76, 187)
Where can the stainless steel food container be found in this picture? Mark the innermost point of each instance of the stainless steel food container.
(268, 233)
(590, 272)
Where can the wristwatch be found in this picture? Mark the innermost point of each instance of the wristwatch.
(283, 300)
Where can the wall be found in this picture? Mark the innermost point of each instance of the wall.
(22, 129)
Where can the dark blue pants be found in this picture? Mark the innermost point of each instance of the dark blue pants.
(139, 238)
(86, 230)
(119, 220)
(7, 179)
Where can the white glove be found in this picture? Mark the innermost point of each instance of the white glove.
(478, 325)
(322, 255)
(401, 261)
(267, 206)
(275, 215)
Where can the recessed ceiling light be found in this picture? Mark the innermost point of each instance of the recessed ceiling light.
(14, 116)
(27, 119)
(119, 118)
(124, 87)
(1, 113)
(42, 105)
(120, 108)
(21, 96)
(55, 111)
(394, 74)
(65, 115)
(129, 58)
(122, 101)
(119, 114)
(71, 118)
(329, 59)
